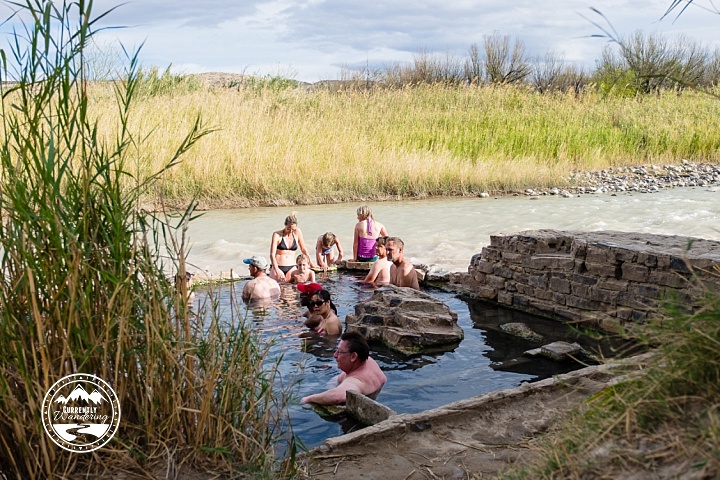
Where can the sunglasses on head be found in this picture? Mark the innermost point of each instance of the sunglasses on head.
(317, 303)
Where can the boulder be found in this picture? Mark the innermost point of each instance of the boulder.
(406, 320)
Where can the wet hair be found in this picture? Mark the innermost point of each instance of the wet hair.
(396, 241)
(300, 257)
(292, 218)
(328, 239)
(381, 241)
(365, 212)
(325, 297)
(357, 343)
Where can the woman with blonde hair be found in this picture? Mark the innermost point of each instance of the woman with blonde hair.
(283, 246)
(367, 230)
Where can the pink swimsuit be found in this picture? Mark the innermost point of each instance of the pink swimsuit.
(366, 246)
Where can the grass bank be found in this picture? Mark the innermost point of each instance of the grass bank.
(282, 145)
(664, 420)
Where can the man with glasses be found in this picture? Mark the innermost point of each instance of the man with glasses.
(359, 372)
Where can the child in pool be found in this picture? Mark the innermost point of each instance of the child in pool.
(324, 253)
(303, 273)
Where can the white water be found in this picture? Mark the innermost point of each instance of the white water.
(447, 232)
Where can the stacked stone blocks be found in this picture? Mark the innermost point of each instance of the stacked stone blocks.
(607, 278)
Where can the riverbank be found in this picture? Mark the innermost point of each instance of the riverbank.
(642, 178)
(271, 146)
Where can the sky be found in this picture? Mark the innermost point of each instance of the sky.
(312, 40)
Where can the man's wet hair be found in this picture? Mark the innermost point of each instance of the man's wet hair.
(396, 240)
(357, 343)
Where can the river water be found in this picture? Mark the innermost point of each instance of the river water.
(444, 232)
(447, 232)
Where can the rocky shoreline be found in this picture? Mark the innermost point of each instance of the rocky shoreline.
(638, 179)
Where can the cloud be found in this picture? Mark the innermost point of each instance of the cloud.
(316, 37)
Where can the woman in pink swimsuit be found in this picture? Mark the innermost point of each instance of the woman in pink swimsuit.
(367, 230)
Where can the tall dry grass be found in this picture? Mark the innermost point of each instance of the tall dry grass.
(84, 288)
(275, 145)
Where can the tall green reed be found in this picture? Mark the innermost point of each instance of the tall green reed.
(85, 285)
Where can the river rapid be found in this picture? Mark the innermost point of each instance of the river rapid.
(447, 232)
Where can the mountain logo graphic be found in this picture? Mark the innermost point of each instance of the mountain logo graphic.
(79, 421)
(80, 394)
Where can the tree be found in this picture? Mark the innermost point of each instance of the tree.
(503, 63)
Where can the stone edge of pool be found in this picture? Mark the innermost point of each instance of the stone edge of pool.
(483, 413)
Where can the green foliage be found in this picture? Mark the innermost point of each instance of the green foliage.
(151, 83)
(273, 83)
(616, 82)
(84, 288)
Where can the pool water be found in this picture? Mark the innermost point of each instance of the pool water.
(488, 359)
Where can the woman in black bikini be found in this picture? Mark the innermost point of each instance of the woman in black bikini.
(284, 244)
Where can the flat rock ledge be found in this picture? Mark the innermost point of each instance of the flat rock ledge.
(482, 435)
(406, 320)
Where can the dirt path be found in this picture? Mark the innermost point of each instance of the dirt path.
(472, 438)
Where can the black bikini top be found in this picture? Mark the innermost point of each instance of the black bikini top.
(283, 246)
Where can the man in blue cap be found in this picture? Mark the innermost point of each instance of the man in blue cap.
(261, 290)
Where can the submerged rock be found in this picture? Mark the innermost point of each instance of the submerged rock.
(558, 351)
(521, 330)
(406, 320)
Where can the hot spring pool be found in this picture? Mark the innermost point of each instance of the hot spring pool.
(488, 359)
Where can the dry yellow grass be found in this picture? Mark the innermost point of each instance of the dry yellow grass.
(293, 145)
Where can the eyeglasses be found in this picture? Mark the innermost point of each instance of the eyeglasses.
(316, 303)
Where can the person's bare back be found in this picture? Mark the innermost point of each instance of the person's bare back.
(379, 273)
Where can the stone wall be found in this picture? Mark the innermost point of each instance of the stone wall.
(605, 278)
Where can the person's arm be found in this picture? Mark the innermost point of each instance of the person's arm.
(313, 320)
(408, 277)
(356, 234)
(333, 327)
(372, 274)
(312, 276)
(273, 252)
(247, 292)
(334, 396)
(318, 254)
(383, 231)
(340, 252)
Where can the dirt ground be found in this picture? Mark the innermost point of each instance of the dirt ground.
(472, 438)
